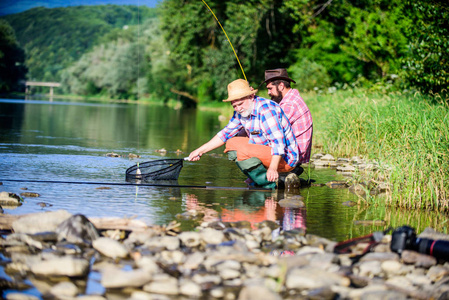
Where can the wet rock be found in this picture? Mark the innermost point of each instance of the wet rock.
(337, 184)
(77, 229)
(112, 154)
(190, 238)
(292, 202)
(346, 168)
(189, 288)
(358, 189)
(349, 203)
(30, 194)
(418, 259)
(317, 156)
(436, 273)
(327, 157)
(165, 242)
(212, 236)
(40, 222)
(10, 199)
(257, 292)
(110, 248)
(20, 296)
(292, 182)
(162, 284)
(310, 278)
(44, 204)
(63, 266)
(117, 278)
(64, 289)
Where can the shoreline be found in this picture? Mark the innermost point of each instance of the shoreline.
(61, 253)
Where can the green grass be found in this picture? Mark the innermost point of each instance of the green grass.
(407, 134)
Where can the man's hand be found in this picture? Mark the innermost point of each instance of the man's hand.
(272, 174)
(195, 155)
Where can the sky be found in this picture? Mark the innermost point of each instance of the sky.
(15, 6)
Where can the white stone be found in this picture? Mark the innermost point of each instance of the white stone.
(66, 288)
(212, 236)
(110, 248)
(64, 266)
(117, 278)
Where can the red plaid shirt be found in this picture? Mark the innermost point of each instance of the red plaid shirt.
(301, 120)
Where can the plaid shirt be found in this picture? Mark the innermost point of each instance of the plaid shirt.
(302, 125)
(267, 125)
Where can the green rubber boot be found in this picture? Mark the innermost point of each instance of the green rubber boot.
(254, 169)
(232, 155)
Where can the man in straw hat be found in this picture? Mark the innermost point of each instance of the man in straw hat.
(278, 85)
(270, 147)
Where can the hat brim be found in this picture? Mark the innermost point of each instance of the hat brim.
(278, 78)
(241, 95)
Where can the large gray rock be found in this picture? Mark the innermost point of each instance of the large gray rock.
(40, 222)
(77, 229)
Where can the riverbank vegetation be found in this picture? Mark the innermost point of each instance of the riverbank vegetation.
(408, 134)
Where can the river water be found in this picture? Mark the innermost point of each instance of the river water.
(68, 142)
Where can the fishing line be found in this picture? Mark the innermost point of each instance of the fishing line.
(140, 184)
(226, 37)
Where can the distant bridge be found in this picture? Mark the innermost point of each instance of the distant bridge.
(35, 83)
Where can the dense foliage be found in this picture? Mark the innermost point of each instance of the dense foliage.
(56, 38)
(12, 58)
(124, 51)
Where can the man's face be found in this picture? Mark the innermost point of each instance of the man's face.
(274, 92)
(243, 106)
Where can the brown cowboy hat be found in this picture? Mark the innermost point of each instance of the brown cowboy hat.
(276, 74)
(239, 89)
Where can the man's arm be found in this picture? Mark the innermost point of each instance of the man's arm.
(214, 143)
(272, 171)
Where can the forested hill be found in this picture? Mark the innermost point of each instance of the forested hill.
(55, 38)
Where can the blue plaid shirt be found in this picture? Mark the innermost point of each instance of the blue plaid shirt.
(267, 125)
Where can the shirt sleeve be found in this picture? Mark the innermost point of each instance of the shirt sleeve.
(231, 129)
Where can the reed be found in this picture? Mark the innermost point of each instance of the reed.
(407, 134)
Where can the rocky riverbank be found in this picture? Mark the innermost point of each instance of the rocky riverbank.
(66, 256)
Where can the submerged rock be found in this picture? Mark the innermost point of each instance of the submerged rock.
(7, 198)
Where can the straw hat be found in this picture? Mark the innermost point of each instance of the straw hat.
(276, 74)
(239, 89)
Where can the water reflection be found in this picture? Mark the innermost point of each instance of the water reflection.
(42, 140)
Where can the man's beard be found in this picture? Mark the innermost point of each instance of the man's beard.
(246, 113)
(277, 98)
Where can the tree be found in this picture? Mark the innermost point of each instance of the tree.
(12, 57)
(427, 63)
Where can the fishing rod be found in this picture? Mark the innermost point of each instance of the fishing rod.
(226, 37)
(141, 184)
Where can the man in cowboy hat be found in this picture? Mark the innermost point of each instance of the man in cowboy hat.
(278, 85)
(270, 147)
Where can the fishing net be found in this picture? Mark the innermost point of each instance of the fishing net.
(163, 169)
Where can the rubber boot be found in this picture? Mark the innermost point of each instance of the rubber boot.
(254, 169)
(232, 155)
